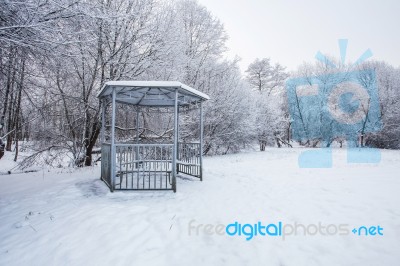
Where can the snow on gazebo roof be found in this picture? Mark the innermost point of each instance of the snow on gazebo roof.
(151, 93)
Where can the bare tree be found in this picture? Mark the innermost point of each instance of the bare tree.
(263, 76)
(268, 80)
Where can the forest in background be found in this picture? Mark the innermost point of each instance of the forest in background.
(56, 55)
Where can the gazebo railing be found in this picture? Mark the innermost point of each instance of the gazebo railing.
(143, 166)
(148, 166)
(189, 158)
(106, 163)
(138, 166)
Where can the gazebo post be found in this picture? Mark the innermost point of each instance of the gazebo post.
(137, 136)
(175, 146)
(201, 141)
(103, 121)
(103, 170)
(113, 152)
(177, 138)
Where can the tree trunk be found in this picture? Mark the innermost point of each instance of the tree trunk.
(1, 148)
(207, 149)
(92, 142)
(278, 142)
(17, 110)
(263, 143)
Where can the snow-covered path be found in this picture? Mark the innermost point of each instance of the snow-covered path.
(62, 218)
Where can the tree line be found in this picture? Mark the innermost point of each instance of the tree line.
(55, 56)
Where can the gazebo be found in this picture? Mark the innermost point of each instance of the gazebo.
(142, 164)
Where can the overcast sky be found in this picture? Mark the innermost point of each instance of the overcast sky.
(291, 32)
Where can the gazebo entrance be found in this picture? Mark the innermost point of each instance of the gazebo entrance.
(152, 163)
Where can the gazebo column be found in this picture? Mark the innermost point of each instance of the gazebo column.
(113, 151)
(137, 136)
(104, 171)
(103, 122)
(201, 141)
(175, 146)
(177, 138)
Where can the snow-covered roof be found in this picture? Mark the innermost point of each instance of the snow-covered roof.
(151, 93)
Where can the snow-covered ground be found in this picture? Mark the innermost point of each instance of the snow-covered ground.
(69, 217)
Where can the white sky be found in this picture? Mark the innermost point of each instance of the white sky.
(291, 32)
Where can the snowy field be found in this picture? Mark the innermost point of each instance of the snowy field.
(69, 217)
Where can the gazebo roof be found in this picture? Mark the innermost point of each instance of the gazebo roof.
(151, 93)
